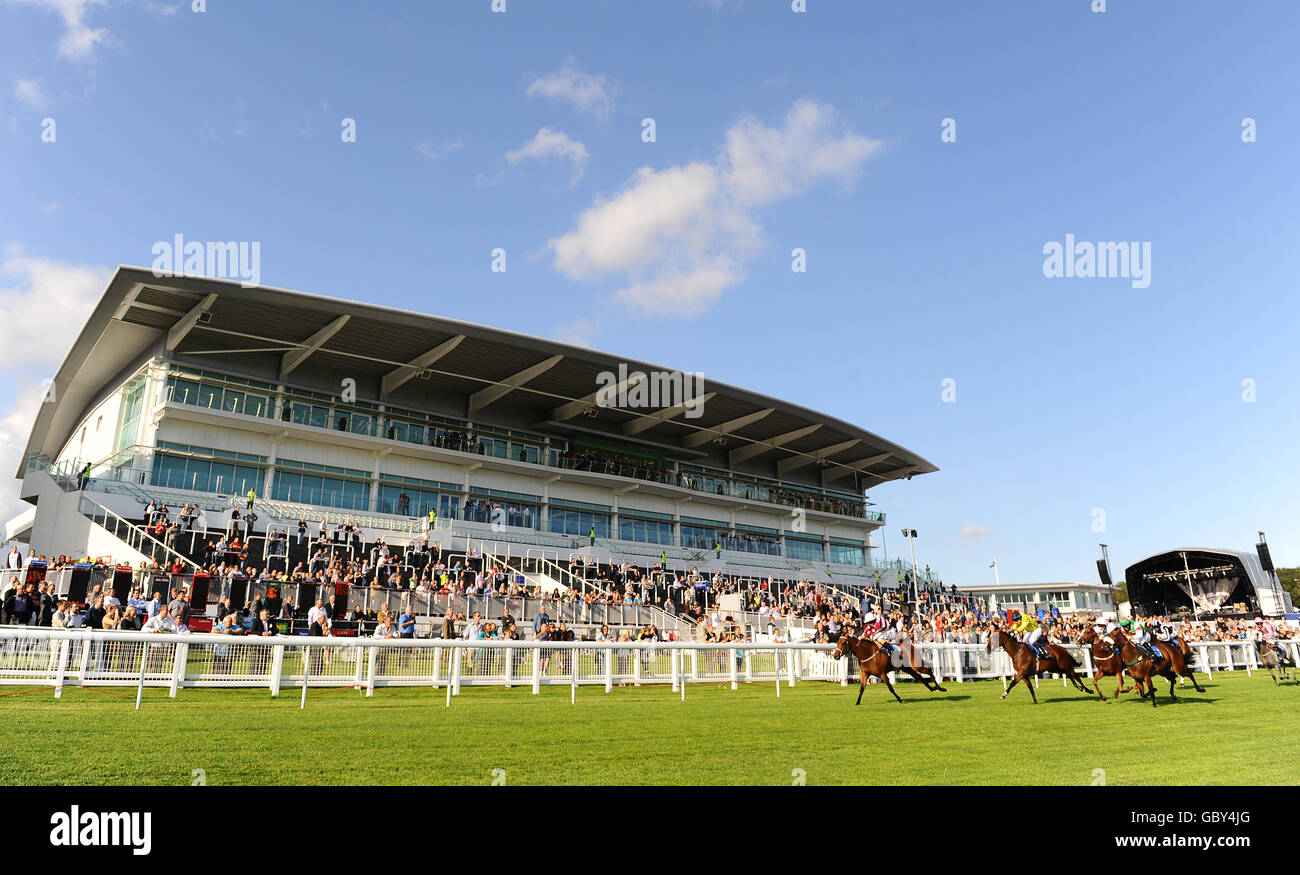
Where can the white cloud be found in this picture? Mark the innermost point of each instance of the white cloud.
(44, 304)
(679, 238)
(583, 91)
(31, 92)
(548, 144)
(969, 534)
(79, 38)
(428, 151)
(579, 332)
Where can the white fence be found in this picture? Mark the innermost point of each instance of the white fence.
(54, 658)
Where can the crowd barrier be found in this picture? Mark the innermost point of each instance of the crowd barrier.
(34, 656)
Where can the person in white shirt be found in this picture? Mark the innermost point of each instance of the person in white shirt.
(317, 610)
(160, 622)
(15, 559)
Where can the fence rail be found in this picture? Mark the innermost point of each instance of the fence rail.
(56, 658)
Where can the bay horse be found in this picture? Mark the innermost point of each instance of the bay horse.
(1271, 661)
(1105, 661)
(875, 662)
(1171, 665)
(1027, 663)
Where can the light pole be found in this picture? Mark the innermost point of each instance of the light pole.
(1105, 557)
(910, 534)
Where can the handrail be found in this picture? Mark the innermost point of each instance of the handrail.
(131, 527)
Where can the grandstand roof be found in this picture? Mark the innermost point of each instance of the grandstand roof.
(553, 382)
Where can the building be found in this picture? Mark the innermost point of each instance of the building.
(195, 389)
(1068, 597)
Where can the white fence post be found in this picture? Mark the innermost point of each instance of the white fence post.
(371, 667)
(61, 668)
(609, 667)
(675, 674)
(537, 670)
(277, 666)
(790, 657)
(457, 656)
(731, 660)
(180, 659)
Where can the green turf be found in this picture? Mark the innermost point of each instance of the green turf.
(1240, 731)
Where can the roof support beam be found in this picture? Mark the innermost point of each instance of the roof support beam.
(892, 475)
(188, 321)
(794, 463)
(398, 376)
(483, 397)
(835, 472)
(580, 405)
(650, 420)
(703, 436)
(292, 359)
(758, 448)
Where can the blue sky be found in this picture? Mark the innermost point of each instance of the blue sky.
(774, 130)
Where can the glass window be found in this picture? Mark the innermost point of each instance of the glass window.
(809, 551)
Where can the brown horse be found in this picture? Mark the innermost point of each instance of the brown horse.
(1027, 663)
(1171, 665)
(1105, 661)
(875, 662)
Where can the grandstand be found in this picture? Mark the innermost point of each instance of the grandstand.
(364, 420)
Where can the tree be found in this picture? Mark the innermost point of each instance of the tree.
(1121, 593)
(1290, 580)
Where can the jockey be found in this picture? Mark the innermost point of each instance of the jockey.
(1142, 637)
(1026, 626)
(875, 628)
(1267, 632)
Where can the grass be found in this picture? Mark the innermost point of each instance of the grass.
(1240, 731)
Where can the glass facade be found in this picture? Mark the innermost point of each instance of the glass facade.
(181, 466)
(645, 527)
(805, 549)
(848, 553)
(325, 485)
(578, 518)
(698, 534)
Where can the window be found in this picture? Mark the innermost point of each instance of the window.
(645, 530)
(132, 407)
(805, 549)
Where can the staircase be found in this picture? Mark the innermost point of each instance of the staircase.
(133, 536)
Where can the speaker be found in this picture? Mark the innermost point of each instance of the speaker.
(122, 578)
(1104, 573)
(238, 592)
(306, 596)
(1265, 558)
(199, 593)
(78, 583)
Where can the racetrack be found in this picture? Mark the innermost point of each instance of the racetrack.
(1240, 731)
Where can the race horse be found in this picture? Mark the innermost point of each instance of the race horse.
(1028, 664)
(1171, 665)
(1272, 661)
(1105, 661)
(878, 663)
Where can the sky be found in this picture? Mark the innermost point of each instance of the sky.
(650, 169)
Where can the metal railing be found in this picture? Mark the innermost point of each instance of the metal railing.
(132, 535)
